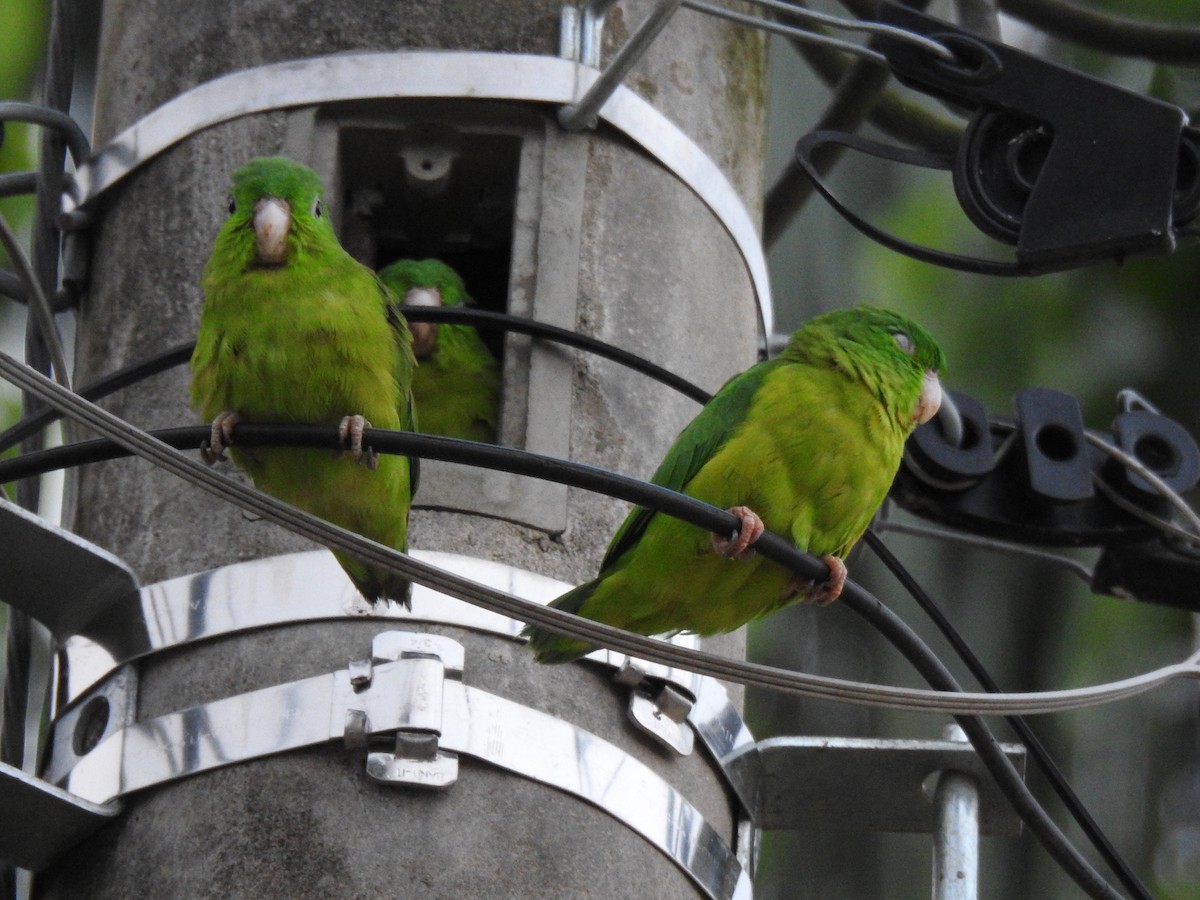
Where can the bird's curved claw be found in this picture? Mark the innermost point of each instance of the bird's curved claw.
(350, 433)
(219, 437)
(738, 545)
(821, 594)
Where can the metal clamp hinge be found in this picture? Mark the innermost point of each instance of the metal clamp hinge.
(416, 758)
(657, 708)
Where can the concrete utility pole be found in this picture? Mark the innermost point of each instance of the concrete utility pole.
(600, 238)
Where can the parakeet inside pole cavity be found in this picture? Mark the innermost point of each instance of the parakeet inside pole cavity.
(806, 445)
(457, 383)
(294, 330)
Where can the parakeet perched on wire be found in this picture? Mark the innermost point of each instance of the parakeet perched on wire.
(294, 330)
(806, 445)
(457, 383)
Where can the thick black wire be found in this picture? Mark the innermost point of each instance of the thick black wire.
(503, 321)
(1025, 732)
(180, 353)
(15, 183)
(1173, 43)
(73, 137)
(777, 548)
(188, 437)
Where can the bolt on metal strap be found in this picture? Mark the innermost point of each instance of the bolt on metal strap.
(410, 691)
(426, 662)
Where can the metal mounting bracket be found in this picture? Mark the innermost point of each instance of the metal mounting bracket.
(51, 820)
(869, 784)
(581, 32)
(658, 708)
(416, 759)
(584, 112)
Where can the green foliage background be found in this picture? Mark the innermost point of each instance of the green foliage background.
(1089, 333)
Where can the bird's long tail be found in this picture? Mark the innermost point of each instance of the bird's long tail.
(549, 647)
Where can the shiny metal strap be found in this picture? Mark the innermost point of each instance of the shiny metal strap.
(468, 720)
(41, 821)
(304, 587)
(295, 587)
(425, 74)
(310, 586)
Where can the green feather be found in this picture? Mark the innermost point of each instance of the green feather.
(810, 441)
(457, 383)
(310, 339)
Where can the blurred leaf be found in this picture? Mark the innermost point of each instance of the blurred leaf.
(22, 43)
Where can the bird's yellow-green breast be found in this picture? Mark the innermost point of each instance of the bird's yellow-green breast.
(810, 441)
(309, 336)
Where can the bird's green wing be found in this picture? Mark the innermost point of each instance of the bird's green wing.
(408, 365)
(695, 446)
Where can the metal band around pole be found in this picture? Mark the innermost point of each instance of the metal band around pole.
(425, 74)
(506, 734)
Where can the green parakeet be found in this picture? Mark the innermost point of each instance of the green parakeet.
(457, 383)
(294, 330)
(806, 444)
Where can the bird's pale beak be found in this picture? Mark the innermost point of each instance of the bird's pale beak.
(424, 334)
(930, 398)
(272, 219)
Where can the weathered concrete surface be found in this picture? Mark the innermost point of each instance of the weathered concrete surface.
(657, 274)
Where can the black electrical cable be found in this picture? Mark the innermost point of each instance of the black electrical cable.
(1173, 43)
(482, 318)
(73, 137)
(101, 387)
(773, 546)
(179, 354)
(1033, 744)
(15, 183)
(186, 438)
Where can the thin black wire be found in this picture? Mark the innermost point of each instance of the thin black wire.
(72, 135)
(496, 320)
(1173, 43)
(1037, 749)
(159, 362)
(101, 387)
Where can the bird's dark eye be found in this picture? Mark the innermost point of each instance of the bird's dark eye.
(232, 205)
(904, 342)
(317, 209)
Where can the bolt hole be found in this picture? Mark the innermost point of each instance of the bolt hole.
(93, 720)
(1056, 443)
(1156, 454)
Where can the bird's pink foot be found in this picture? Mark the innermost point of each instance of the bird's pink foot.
(350, 433)
(821, 594)
(738, 545)
(220, 437)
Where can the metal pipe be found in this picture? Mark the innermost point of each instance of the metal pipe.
(582, 114)
(956, 832)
